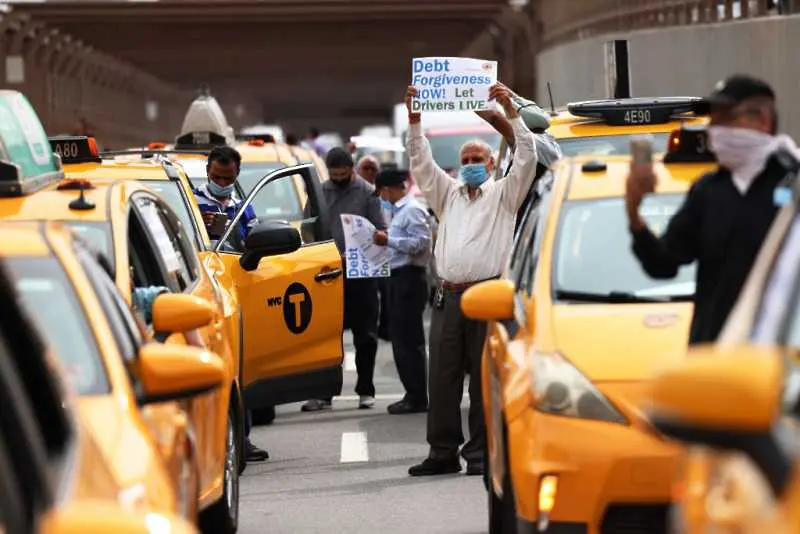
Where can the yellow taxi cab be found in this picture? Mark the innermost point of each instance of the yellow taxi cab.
(605, 127)
(147, 248)
(56, 478)
(574, 327)
(723, 486)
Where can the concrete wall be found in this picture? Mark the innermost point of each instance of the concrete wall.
(684, 61)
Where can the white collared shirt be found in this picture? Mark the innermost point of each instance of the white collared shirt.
(475, 235)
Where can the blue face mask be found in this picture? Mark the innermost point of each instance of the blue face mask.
(474, 174)
(220, 191)
(388, 206)
(143, 298)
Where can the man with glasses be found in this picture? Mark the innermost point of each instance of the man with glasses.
(218, 204)
(727, 213)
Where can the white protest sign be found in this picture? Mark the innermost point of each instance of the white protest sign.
(452, 83)
(363, 258)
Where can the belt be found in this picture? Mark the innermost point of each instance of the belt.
(462, 286)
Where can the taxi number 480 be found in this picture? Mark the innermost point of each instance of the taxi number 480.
(67, 150)
(638, 116)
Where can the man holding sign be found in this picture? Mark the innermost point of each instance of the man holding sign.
(475, 235)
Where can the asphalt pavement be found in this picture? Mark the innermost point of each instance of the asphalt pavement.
(345, 470)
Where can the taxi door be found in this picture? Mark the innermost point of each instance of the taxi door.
(292, 304)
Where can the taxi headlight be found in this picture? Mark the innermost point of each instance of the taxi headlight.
(559, 388)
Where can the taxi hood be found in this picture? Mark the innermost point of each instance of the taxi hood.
(621, 342)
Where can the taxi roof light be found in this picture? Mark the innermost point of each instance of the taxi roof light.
(156, 145)
(639, 111)
(689, 144)
(255, 142)
(75, 149)
(75, 184)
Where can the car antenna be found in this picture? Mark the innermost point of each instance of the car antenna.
(552, 104)
(81, 203)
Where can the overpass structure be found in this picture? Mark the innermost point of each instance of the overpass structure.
(130, 68)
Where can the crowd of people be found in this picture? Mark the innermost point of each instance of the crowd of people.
(720, 225)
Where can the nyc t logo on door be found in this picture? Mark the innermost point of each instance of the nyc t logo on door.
(297, 309)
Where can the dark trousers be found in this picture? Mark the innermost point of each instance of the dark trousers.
(361, 317)
(248, 424)
(408, 294)
(383, 319)
(456, 346)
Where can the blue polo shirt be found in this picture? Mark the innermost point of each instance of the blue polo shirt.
(208, 203)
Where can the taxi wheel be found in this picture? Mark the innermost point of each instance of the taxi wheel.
(503, 510)
(264, 416)
(222, 517)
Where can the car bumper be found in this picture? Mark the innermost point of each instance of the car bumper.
(611, 478)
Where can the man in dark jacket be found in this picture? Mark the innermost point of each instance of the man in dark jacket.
(727, 213)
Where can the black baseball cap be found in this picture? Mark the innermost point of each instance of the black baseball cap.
(389, 177)
(735, 89)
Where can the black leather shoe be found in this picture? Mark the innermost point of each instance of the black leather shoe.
(430, 467)
(475, 468)
(254, 454)
(404, 407)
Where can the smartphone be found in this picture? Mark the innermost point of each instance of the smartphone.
(642, 149)
(219, 225)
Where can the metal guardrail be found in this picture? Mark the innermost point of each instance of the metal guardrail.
(563, 22)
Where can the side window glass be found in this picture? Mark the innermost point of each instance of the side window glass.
(288, 199)
(166, 242)
(523, 243)
(179, 236)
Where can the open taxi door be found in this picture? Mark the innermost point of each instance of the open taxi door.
(290, 281)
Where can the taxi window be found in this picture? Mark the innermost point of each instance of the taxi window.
(46, 291)
(196, 170)
(97, 234)
(607, 145)
(594, 257)
(252, 173)
(171, 193)
(174, 255)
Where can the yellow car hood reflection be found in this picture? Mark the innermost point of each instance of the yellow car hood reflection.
(622, 342)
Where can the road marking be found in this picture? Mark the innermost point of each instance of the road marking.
(354, 447)
(349, 361)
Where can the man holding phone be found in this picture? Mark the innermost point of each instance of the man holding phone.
(218, 204)
(727, 213)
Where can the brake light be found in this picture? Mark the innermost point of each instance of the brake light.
(674, 143)
(256, 142)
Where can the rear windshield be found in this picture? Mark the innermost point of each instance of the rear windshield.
(608, 145)
(51, 299)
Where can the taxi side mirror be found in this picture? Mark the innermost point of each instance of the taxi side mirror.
(171, 372)
(89, 515)
(726, 398)
(269, 238)
(492, 300)
(177, 312)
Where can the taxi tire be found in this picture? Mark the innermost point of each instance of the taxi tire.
(219, 518)
(263, 416)
(502, 511)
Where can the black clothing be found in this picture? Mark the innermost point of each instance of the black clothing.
(540, 171)
(361, 317)
(408, 294)
(723, 230)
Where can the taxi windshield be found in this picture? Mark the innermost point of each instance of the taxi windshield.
(97, 234)
(196, 170)
(594, 261)
(608, 145)
(252, 173)
(170, 191)
(48, 294)
(447, 148)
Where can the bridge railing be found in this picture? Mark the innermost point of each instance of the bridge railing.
(563, 21)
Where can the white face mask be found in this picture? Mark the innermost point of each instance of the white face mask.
(742, 151)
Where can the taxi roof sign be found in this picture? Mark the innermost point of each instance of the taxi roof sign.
(26, 161)
(636, 111)
(689, 144)
(204, 125)
(75, 149)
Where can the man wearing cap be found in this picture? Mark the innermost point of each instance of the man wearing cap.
(727, 213)
(409, 238)
(347, 193)
(476, 230)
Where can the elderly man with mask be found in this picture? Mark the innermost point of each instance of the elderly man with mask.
(727, 213)
(347, 193)
(475, 235)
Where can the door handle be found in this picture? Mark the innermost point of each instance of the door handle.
(332, 274)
